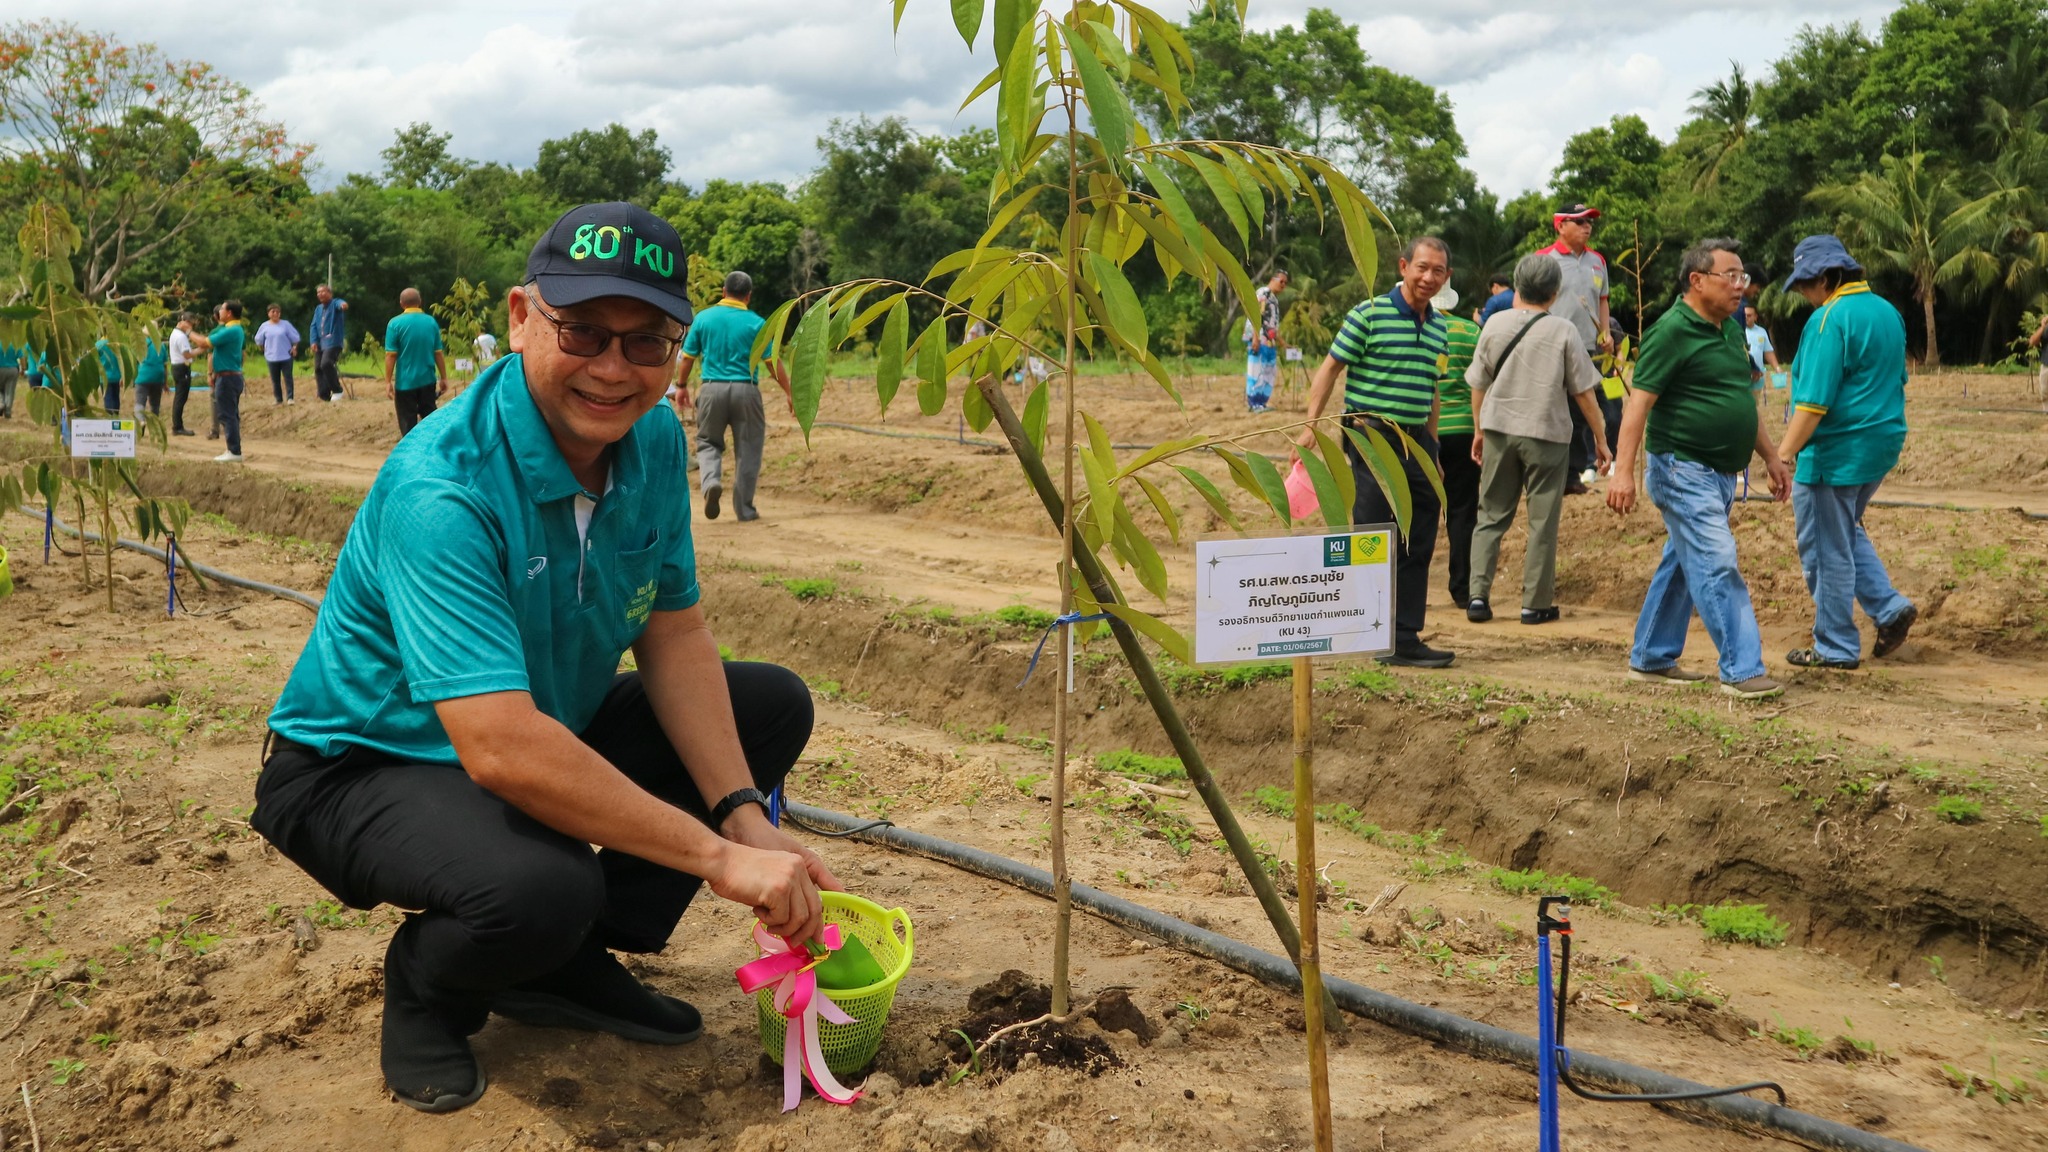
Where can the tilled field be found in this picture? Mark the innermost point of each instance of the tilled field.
(177, 984)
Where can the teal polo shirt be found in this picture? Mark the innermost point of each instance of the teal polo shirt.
(463, 575)
(228, 341)
(415, 336)
(721, 338)
(110, 361)
(151, 370)
(1851, 370)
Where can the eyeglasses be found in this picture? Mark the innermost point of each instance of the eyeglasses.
(1735, 276)
(646, 349)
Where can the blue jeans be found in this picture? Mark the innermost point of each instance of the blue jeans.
(1842, 569)
(227, 405)
(1697, 571)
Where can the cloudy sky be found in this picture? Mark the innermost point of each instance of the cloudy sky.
(741, 90)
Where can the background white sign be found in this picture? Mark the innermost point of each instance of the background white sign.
(101, 439)
(1325, 593)
(1294, 353)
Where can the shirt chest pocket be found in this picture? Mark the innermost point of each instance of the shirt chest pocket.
(632, 581)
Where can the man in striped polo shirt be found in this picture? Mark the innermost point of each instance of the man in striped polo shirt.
(1390, 352)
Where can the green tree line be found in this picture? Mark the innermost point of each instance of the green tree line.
(1923, 142)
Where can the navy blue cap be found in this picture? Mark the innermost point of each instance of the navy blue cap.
(614, 249)
(1816, 255)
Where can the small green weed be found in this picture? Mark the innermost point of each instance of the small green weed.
(1804, 1041)
(1377, 682)
(1027, 784)
(63, 1068)
(1937, 968)
(1125, 762)
(1025, 616)
(1732, 923)
(1958, 810)
(805, 589)
(1535, 882)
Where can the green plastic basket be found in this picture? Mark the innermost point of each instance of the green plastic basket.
(851, 1047)
(6, 576)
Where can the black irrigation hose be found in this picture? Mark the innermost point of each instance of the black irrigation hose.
(227, 578)
(974, 440)
(1430, 1023)
(1956, 508)
(1564, 1055)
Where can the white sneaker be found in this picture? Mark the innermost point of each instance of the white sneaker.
(1589, 476)
(228, 458)
(334, 399)
(291, 399)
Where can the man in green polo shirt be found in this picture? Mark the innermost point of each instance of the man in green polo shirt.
(722, 338)
(1692, 397)
(415, 362)
(1390, 352)
(456, 735)
(1847, 428)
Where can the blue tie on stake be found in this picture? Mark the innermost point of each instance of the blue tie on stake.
(1058, 622)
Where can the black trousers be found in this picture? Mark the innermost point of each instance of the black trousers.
(500, 897)
(414, 405)
(327, 371)
(1461, 510)
(181, 389)
(280, 380)
(1411, 571)
(1580, 457)
(150, 396)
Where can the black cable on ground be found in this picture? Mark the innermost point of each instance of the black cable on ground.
(1430, 1023)
(1957, 508)
(1564, 1057)
(157, 554)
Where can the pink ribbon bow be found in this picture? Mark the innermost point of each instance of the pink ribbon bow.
(801, 1002)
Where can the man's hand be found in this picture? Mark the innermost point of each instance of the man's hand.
(390, 390)
(778, 886)
(1603, 459)
(1621, 491)
(750, 826)
(441, 388)
(1780, 478)
(1604, 340)
(1479, 449)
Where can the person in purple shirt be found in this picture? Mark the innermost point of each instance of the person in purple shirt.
(280, 344)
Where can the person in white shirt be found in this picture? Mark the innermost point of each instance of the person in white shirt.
(182, 354)
(486, 349)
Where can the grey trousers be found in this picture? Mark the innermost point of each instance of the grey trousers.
(735, 405)
(1514, 465)
(8, 376)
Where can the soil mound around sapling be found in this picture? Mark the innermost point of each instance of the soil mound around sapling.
(1013, 998)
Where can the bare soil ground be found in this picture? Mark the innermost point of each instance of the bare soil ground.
(173, 983)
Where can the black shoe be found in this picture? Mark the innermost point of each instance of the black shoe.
(1539, 615)
(426, 1058)
(711, 496)
(593, 992)
(182, 432)
(1811, 658)
(213, 435)
(1478, 611)
(1893, 634)
(1416, 654)
(1575, 487)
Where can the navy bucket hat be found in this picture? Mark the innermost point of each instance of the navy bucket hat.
(1816, 255)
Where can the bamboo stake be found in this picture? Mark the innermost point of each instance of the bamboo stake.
(1062, 882)
(1311, 963)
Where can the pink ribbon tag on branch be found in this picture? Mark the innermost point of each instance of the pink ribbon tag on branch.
(791, 971)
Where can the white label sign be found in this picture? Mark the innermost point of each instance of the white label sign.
(102, 439)
(1321, 594)
(465, 365)
(1294, 353)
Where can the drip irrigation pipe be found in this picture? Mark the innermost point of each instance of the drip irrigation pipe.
(978, 441)
(1429, 1023)
(1956, 508)
(184, 561)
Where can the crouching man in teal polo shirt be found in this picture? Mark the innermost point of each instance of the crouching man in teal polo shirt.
(456, 737)
(1847, 428)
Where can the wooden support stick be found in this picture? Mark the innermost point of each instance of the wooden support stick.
(1311, 963)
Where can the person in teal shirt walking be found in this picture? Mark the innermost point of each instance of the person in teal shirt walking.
(1847, 427)
(722, 337)
(415, 362)
(110, 373)
(10, 372)
(150, 374)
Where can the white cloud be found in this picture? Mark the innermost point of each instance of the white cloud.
(741, 90)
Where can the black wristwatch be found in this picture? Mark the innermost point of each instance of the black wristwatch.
(731, 804)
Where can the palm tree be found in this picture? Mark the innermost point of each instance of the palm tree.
(1729, 107)
(1914, 217)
